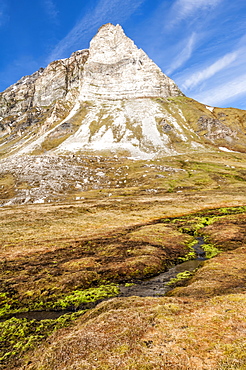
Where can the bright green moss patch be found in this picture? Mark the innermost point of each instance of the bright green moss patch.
(211, 250)
(19, 335)
(189, 256)
(79, 297)
(181, 276)
(75, 299)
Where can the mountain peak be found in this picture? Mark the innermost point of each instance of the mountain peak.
(111, 98)
(118, 69)
(110, 44)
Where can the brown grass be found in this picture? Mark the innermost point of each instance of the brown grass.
(49, 250)
(149, 333)
(223, 274)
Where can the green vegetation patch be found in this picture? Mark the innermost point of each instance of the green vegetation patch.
(19, 335)
(180, 277)
(79, 297)
(211, 250)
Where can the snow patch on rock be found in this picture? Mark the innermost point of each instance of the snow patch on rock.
(224, 149)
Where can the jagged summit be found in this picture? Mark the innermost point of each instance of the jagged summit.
(117, 69)
(111, 98)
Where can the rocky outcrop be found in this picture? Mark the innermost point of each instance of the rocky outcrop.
(61, 80)
(43, 97)
(213, 129)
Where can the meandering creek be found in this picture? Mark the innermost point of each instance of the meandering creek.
(158, 285)
(154, 287)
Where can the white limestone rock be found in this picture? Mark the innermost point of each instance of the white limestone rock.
(117, 69)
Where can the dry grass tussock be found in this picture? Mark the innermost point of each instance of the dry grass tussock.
(151, 333)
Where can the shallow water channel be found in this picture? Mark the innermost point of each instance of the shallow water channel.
(158, 285)
(153, 287)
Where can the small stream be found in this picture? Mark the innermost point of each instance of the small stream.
(153, 287)
(158, 285)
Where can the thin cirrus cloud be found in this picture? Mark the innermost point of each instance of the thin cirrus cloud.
(208, 72)
(105, 11)
(183, 9)
(184, 55)
(51, 10)
(224, 93)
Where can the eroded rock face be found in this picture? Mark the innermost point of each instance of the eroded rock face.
(61, 80)
(117, 69)
(47, 94)
(214, 129)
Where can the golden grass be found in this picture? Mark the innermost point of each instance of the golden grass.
(48, 250)
(45, 227)
(222, 275)
(150, 333)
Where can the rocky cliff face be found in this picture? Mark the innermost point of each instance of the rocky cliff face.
(35, 102)
(110, 98)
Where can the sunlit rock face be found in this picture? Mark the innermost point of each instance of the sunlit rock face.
(43, 97)
(60, 80)
(117, 69)
(121, 82)
(111, 98)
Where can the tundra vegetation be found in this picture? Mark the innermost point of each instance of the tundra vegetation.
(73, 255)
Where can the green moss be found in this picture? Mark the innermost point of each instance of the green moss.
(19, 335)
(211, 250)
(204, 221)
(79, 297)
(232, 210)
(76, 298)
(181, 276)
(189, 256)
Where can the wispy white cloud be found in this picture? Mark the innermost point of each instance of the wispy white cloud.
(183, 9)
(225, 92)
(51, 10)
(206, 73)
(105, 11)
(184, 55)
(1, 17)
(4, 17)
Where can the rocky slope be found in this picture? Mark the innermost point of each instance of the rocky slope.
(111, 98)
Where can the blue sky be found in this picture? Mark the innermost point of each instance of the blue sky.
(201, 44)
